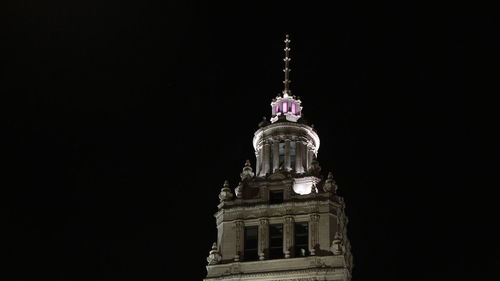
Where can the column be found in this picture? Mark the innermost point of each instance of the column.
(266, 159)
(288, 241)
(299, 168)
(309, 158)
(287, 155)
(239, 228)
(257, 162)
(276, 155)
(313, 233)
(263, 238)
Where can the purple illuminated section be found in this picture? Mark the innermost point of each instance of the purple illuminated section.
(285, 107)
(277, 108)
(294, 108)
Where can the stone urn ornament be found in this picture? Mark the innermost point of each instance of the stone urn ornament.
(225, 193)
(214, 257)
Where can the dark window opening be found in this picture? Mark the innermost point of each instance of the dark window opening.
(301, 239)
(250, 243)
(275, 241)
(275, 196)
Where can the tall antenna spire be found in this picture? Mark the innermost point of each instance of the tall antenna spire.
(286, 82)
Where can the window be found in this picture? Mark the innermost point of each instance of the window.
(277, 108)
(294, 108)
(276, 241)
(275, 196)
(285, 107)
(250, 243)
(301, 239)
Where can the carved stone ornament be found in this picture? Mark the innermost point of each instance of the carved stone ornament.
(247, 172)
(315, 168)
(330, 185)
(337, 246)
(214, 257)
(225, 193)
(239, 190)
(264, 122)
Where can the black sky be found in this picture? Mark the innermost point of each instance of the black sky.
(123, 119)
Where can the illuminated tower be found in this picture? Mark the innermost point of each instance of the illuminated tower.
(285, 220)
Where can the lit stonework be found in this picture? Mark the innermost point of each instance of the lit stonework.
(284, 221)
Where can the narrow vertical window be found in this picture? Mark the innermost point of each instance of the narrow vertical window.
(294, 108)
(277, 108)
(301, 239)
(276, 241)
(285, 107)
(250, 243)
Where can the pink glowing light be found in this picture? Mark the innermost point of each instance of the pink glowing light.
(294, 108)
(285, 107)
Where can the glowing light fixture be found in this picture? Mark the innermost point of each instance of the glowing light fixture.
(285, 107)
(304, 185)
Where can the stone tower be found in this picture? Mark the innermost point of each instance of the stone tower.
(284, 221)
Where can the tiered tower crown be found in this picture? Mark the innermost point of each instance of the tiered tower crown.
(284, 220)
(287, 144)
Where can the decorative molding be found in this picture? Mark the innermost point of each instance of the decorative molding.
(313, 232)
(289, 236)
(239, 231)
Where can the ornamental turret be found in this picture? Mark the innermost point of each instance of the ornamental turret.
(286, 144)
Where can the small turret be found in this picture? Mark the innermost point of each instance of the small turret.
(247, 172)
(214, 257)
(330, 185)
(225, 193)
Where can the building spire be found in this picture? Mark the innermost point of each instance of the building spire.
(286, 82)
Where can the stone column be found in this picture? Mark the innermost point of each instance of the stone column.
(313, 233)
(299, 168)
(276, 155)
(239, 228)
(287, 155)
(309, 156)
(266, 159)
(289, 238)
(257, 162)
(263, 238)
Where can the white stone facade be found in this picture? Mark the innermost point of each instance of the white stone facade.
(329, 248)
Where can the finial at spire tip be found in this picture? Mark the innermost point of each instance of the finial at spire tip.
(286, 82)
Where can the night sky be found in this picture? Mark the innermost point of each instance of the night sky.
(123, 119)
